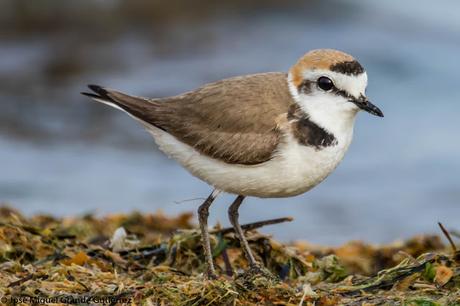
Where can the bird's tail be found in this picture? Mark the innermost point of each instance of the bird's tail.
(138, 107)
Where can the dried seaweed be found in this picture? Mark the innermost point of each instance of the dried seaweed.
(158, 261)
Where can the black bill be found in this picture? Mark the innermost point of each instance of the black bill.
(367, 106)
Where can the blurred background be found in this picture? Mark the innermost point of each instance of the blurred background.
(60, 153)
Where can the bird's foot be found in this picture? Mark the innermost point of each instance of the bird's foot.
(211, 274)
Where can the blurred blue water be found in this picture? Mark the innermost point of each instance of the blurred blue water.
(399, 177)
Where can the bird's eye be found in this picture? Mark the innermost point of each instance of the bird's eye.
(325, 83)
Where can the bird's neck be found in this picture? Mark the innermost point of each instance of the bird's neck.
(327, 114)
(335, 121)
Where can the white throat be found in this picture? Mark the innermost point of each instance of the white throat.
(330, 113)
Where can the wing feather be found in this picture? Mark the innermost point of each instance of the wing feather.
(233, 120)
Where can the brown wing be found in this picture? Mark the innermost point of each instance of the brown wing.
(233, 120)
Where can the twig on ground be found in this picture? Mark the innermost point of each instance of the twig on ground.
(449, 238)
(189, 200)
(251, 226)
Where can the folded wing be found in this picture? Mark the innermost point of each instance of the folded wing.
(234, 120)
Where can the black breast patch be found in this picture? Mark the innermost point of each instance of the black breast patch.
(307, 132)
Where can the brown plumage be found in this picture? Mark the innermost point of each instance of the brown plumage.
(234, 120)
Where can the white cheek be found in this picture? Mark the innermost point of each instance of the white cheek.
(334, 113)
(324, 102)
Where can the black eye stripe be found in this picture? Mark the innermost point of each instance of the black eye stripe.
(342, 93)
(348, 96)
(306, 87)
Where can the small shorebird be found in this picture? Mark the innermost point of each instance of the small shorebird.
(263, 135)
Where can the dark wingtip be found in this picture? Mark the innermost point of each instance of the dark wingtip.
(97, 89)
(99, 92)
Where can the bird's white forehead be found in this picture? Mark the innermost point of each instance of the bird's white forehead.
(352, 84)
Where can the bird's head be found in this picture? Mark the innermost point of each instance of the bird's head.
(331, 84)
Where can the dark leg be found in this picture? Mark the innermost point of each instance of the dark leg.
(203, 213)
(233, 216)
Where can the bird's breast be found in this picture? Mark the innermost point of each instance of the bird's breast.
(302, 167)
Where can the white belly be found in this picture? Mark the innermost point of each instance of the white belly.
(294, 170)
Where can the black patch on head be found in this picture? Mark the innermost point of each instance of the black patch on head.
(349, 68)
(307, 132)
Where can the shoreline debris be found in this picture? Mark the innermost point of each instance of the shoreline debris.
(155, 259)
